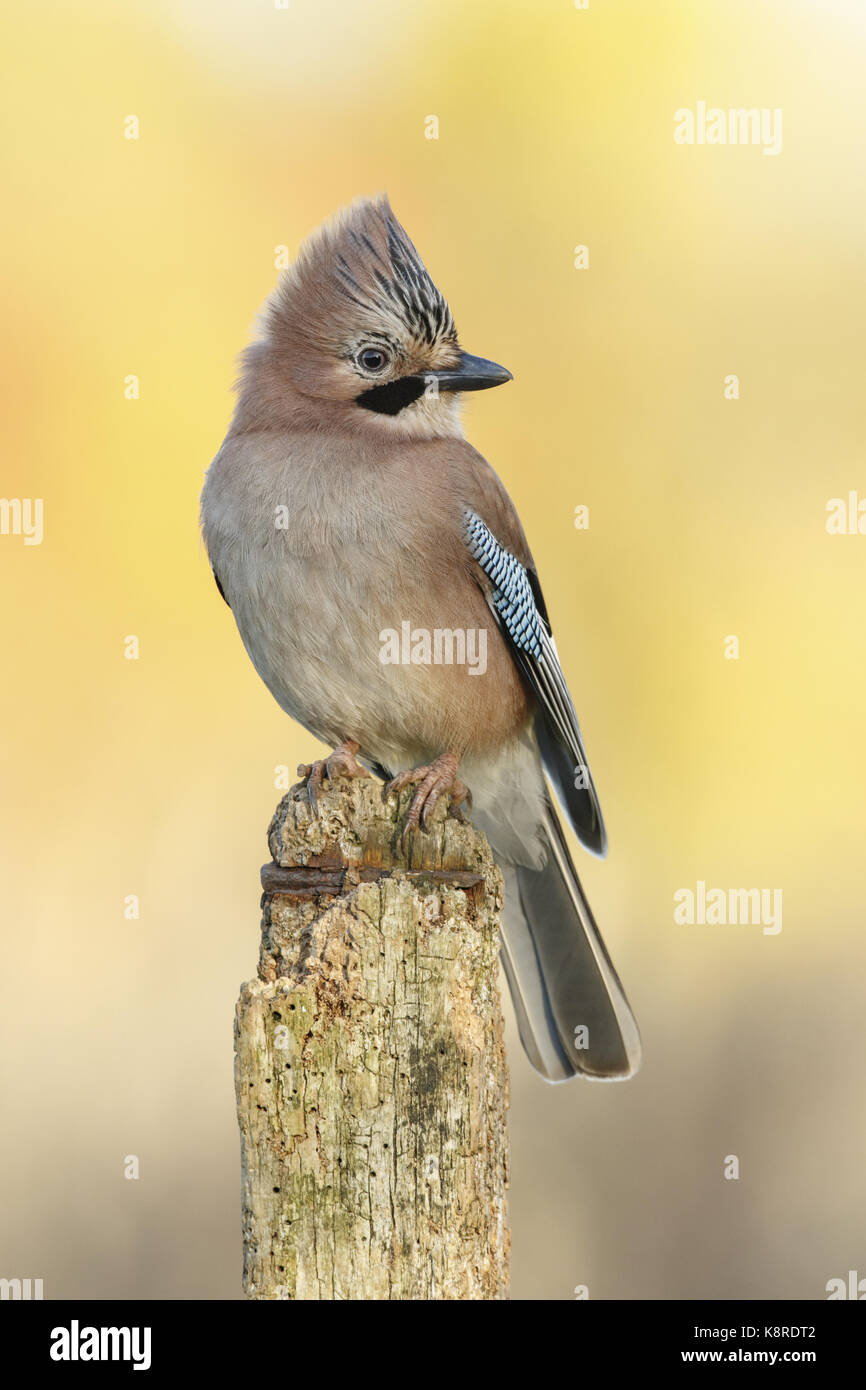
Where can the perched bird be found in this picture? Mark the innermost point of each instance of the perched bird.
(346, 503)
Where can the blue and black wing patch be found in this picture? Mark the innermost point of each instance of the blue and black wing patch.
(511, 598)
(517, 604)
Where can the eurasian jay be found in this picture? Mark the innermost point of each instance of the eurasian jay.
(345, 503)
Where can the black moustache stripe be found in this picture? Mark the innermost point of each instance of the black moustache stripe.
(392, 396)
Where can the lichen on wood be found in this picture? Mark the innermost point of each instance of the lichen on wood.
(369, 1060)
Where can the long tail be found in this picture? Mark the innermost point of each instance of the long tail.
(571, 1009)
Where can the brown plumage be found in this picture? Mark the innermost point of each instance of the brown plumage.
(358, 279)
(344, 504)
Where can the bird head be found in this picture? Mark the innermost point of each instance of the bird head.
(360, 336)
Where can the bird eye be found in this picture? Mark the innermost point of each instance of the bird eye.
(373, 359)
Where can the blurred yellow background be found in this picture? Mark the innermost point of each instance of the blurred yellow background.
(155, 776)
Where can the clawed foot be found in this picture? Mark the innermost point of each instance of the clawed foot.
(434, 780)
(340, 763)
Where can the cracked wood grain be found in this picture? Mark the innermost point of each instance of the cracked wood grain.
(369, 1060)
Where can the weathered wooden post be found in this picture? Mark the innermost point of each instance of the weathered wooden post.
(369, 1061)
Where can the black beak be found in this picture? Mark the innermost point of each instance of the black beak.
(472, 374)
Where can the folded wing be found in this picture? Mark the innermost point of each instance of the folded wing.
(515, 599)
